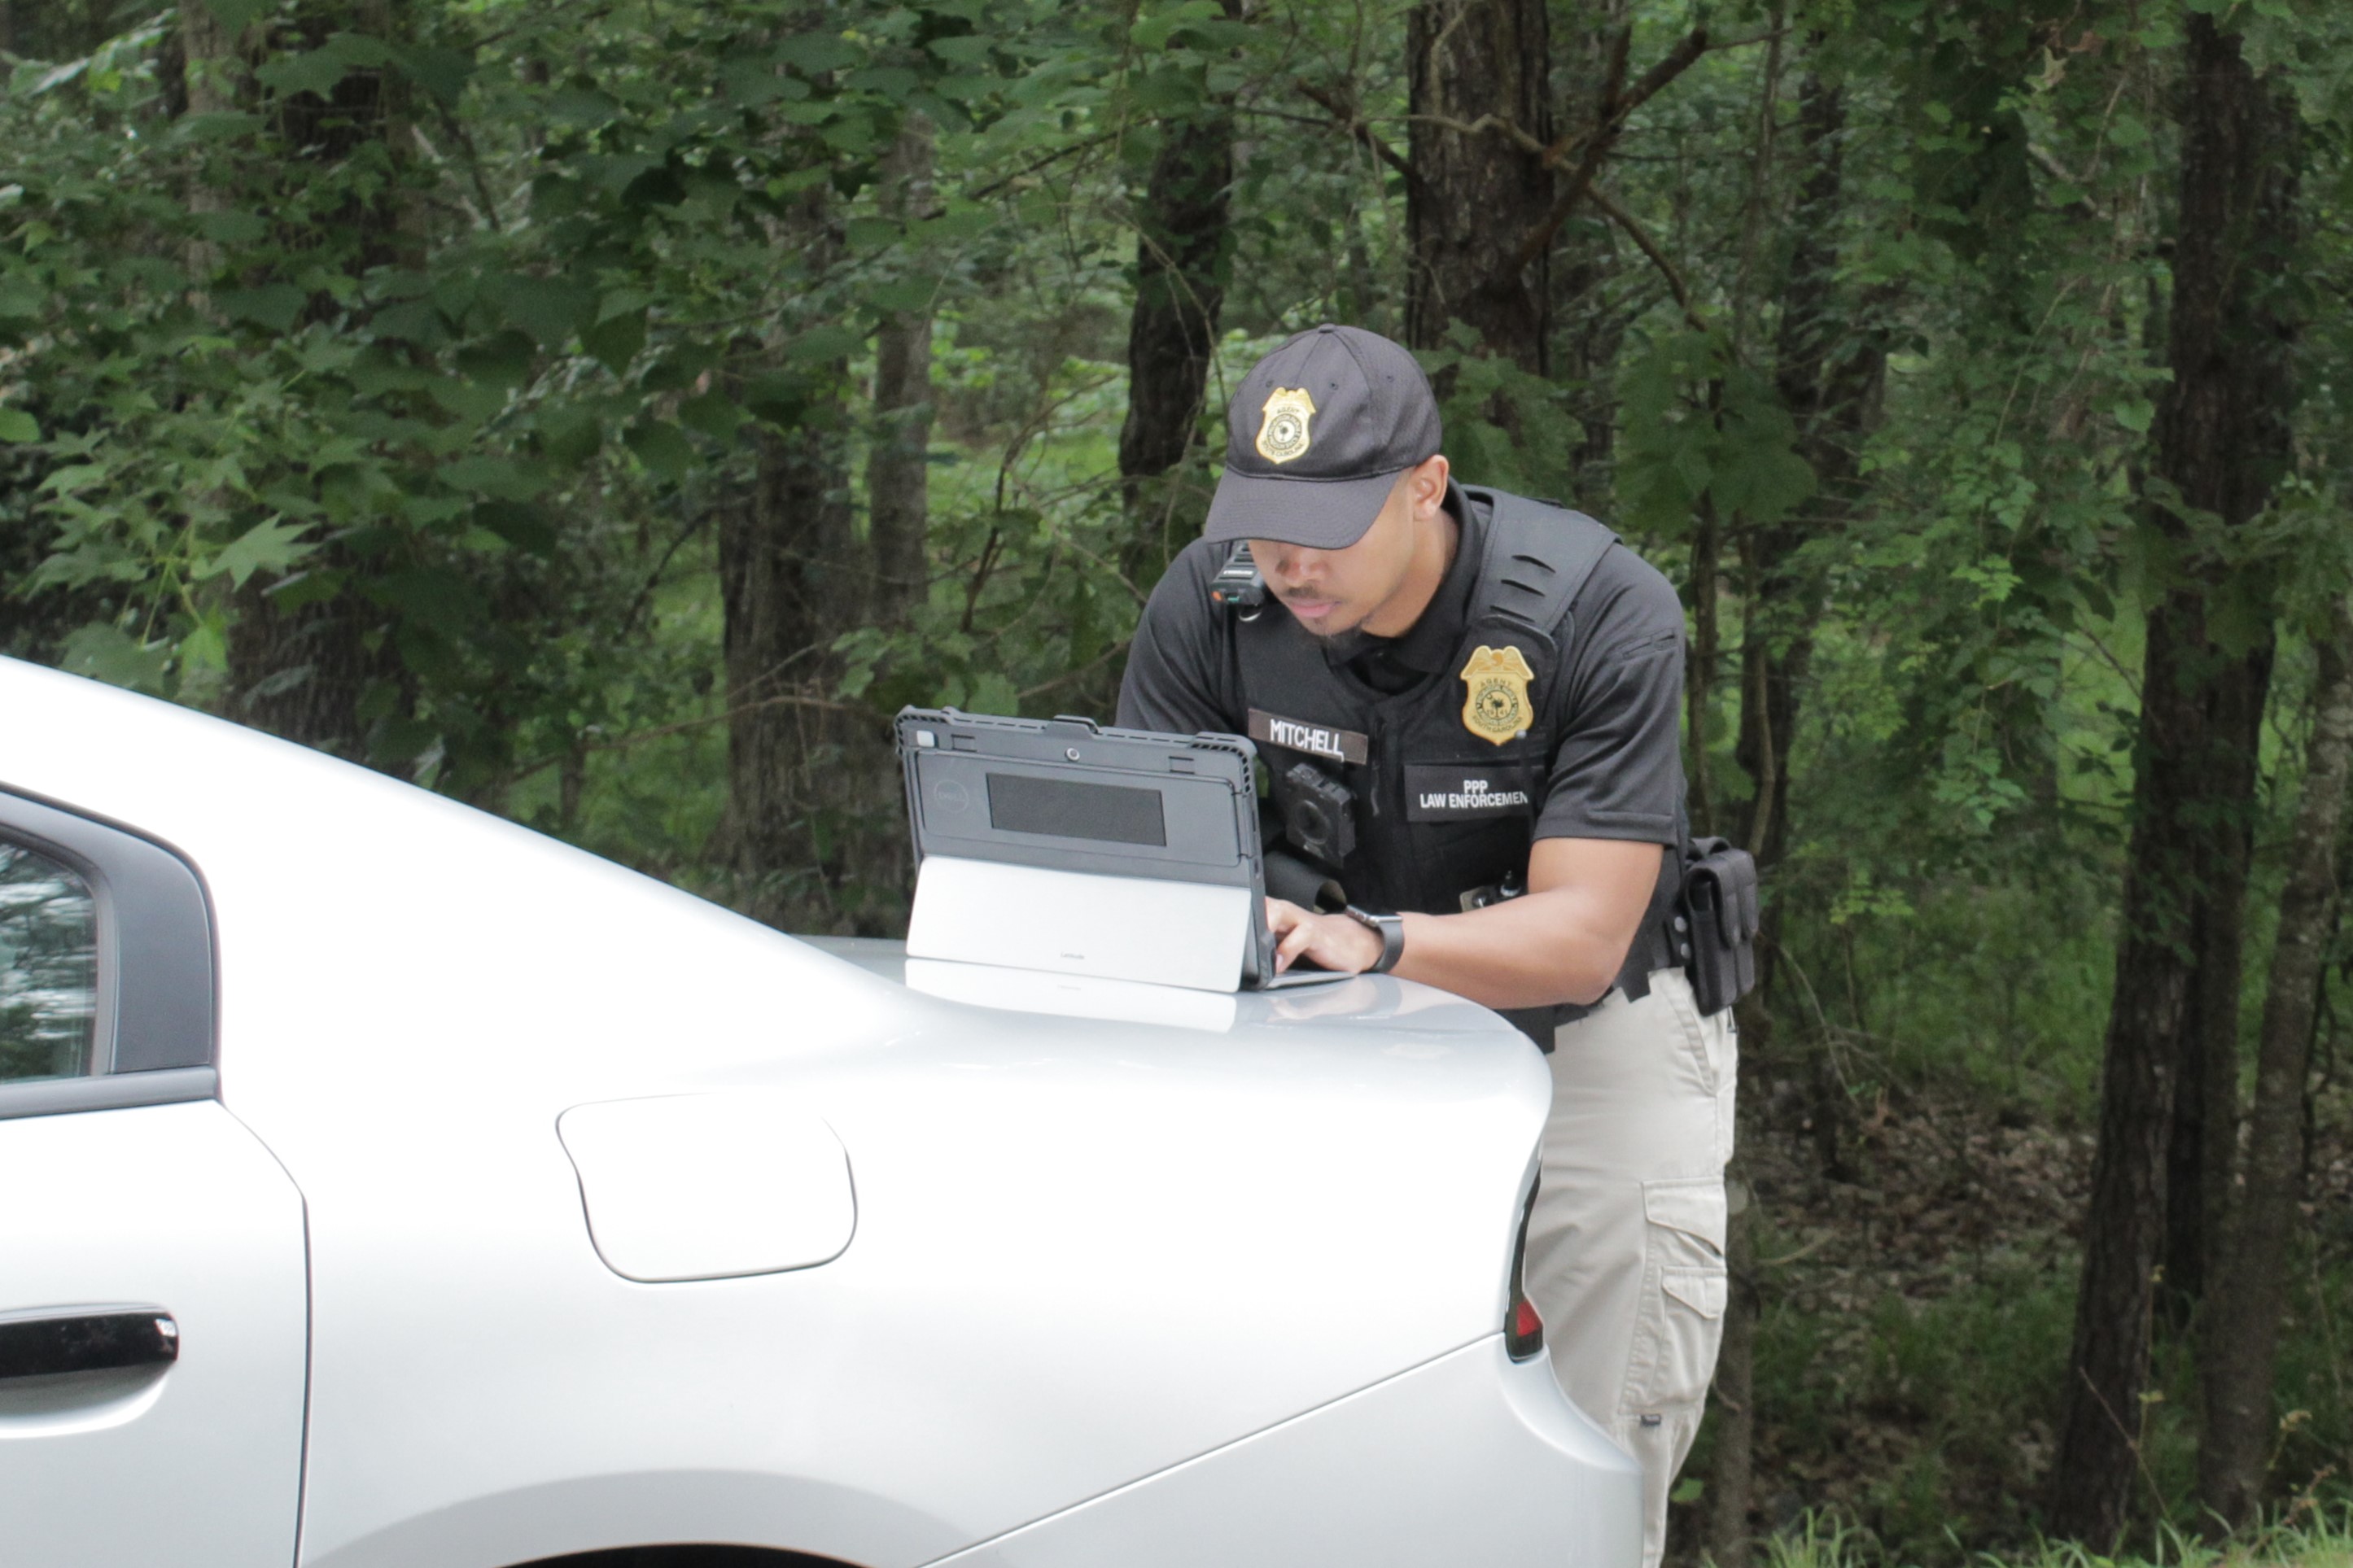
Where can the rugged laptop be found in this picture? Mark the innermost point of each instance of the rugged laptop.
(1054, 843)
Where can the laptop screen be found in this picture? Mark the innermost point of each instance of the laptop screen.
(1067, 808)
(1064, 794)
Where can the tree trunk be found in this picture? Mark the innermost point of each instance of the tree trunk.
(898, 471)
(803, 773)
(2222, 442)
(809, 848)
(1828, 376)
(323, 671)
(1589, 325)
(2247, 1298)
(1183, 248)
(1477, 194)
(2203, 1147)
(1699, 696)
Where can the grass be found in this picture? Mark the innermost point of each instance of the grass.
(2305, 1537)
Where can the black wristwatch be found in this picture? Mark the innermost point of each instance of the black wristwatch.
(1391, 929)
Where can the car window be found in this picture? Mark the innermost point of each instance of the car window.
(49, 967)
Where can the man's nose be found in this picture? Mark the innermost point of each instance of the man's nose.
(1286, 560)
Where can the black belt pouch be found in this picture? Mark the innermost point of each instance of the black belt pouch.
(1720, 902)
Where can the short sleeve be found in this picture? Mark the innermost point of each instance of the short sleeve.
(1617, 771)
(1180, 670)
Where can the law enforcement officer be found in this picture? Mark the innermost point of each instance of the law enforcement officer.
(1468, 706)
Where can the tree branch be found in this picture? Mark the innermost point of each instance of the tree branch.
(1352, 123)
(1635, 231)
(1677, 61)
(1483, 124)
(1609, 126)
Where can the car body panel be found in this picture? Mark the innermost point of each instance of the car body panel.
(179, 1208)
(1087, 1249)
(1528, 1480)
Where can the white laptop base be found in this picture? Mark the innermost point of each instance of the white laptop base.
(1076, 923)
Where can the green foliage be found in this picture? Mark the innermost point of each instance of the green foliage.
(1704, 430)
(469, 333)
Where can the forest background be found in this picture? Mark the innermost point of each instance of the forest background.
(608, 413)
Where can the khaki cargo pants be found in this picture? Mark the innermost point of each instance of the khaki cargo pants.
(1626, 1248)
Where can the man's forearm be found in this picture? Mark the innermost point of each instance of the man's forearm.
(1565, 940)
(1535, 950)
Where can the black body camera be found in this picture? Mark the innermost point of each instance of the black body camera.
(1319, 815)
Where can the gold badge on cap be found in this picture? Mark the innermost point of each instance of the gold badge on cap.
(1496, 707)
(1283, 423)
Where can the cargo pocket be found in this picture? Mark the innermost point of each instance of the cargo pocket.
(1680, 1320)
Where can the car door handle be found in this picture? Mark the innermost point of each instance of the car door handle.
(106, 1339)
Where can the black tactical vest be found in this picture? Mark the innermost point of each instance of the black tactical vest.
(1441, 817)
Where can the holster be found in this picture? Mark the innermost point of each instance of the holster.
(1719, 900)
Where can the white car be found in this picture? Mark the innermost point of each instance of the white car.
(382, 1184)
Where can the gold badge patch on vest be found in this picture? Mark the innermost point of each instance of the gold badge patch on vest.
(1283, 423)
(1495, 707)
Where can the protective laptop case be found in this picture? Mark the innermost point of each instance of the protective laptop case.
(1057, 844)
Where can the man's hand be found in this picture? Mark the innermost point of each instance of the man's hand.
(1337, 942)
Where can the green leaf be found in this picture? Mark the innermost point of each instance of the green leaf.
(273, 305)
(300, 589)
(268, 547)
(476, 401)
(965, 51)
(779, 397)
(231, 228)
(550, 308)
(521, 526)
(1691, 464)
(570, 436)
(441, 72)
(21, 296)
(501, 360)
(993, 694)
(223, 125)
(2135, 414)
(661, 447)
(108, 653)
(504, 478)
(1154, 32)
(893, 83)
(415, 322)
(18, 427)
(813, 53)
(584, 106)
(825, 343)
(713, 414)
(442, 599)
(207, 645)
(616, 342)
(899, 294)
(751, 82)
(234, 16)
(319, 70)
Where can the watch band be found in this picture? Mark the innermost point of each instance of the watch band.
(1391, 928)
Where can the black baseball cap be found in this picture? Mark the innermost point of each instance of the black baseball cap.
(1316, 435)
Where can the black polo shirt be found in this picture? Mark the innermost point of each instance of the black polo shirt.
(1615, 770)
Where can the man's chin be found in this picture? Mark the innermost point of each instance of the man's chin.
(1337, 621)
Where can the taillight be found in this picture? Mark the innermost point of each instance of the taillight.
(1522, 1326)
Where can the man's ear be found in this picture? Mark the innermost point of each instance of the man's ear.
(1427, 484)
